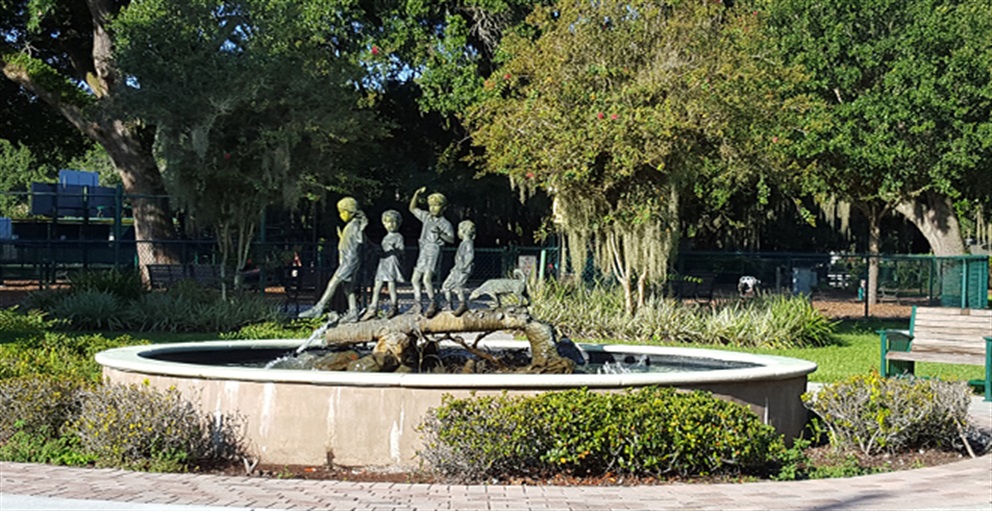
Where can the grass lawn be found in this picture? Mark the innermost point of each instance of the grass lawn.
(164, 337)
(856, 353)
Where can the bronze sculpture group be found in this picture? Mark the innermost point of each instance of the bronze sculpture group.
(436, 231)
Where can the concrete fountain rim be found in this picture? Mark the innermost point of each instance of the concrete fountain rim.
(137, 359)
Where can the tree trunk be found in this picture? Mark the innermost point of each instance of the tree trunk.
(873, 213)
(144, 184)
(874, 248)
(934, 216)
(128, 146)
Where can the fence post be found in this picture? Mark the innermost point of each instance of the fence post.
(118, 230)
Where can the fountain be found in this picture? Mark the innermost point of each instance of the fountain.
(368, 419)
(367, 416)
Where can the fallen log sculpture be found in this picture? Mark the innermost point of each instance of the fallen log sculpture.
(396, 338)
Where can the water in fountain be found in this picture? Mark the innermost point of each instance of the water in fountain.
(317, 334)
(642, 365)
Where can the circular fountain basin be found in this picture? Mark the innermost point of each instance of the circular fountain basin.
(369, 419)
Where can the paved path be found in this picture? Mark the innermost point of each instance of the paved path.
(964, 485)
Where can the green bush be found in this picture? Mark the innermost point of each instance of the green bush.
(142, 428)
(597, 312)
(295, 329)
(124, 284)
(37, 405)
(59, 355)
(90, 310)
(26, 447)
(875, 414)
(36, 409)
(16, 326)
(652, 431)
(45, 299)
(111, 301)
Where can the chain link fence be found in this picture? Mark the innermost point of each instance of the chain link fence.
(79, 228)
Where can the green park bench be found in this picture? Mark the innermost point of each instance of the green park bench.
(163, 276)
(940, 334)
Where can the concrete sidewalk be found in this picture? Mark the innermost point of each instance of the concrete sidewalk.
(964, 485)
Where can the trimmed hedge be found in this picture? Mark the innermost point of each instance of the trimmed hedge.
(652, 431)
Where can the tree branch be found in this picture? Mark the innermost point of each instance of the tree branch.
(18, 70)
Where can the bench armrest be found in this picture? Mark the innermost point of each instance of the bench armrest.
(988, 368)
(892, 340)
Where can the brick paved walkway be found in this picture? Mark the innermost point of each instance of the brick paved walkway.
(963, 485)
(957, 486)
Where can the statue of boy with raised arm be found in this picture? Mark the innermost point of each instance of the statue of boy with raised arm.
(435, 232)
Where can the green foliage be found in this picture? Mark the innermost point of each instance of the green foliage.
(875, 414)
(37, 405)
(251, 106)
(115, 301)
(18, 169)
(124, 284)
(296, 329)
(36, 408)
(769, 321)
(59, 355)
(619, 108)
(904, 90)
(47, 78)
(24, 447)
(90, 310)
(797, 466)
(18, 326)
(142, 428)
(652, 431)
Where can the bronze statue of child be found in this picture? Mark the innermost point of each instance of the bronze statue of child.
(458, 277)
(350, 241)
(435, 232)
(390, 266)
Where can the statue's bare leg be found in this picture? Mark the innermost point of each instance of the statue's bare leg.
(429, 287)
(352, 315)
(393, 300)
(417, 276)
(318, 308)
(374, 305)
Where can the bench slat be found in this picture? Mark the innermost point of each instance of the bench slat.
(947, 358)
(975, 348)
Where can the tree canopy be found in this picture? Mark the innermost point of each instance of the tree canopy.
(255, 103)
(906, 92)
(618, 108)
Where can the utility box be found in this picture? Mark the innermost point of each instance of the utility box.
(803, 281)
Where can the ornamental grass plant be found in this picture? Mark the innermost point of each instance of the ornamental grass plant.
(763, 321)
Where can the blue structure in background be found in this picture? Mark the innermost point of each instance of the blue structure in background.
(76, 195)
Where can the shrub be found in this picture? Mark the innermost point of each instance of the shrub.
(875, 414)
(763, 321)
(126, 285)
(295, 329)
(140, 427)
(652, 431)
(90, 309)
(17, 326)
(58, 355)
(45, 299)
(37, 405)
(27, 447)
(188, 307)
